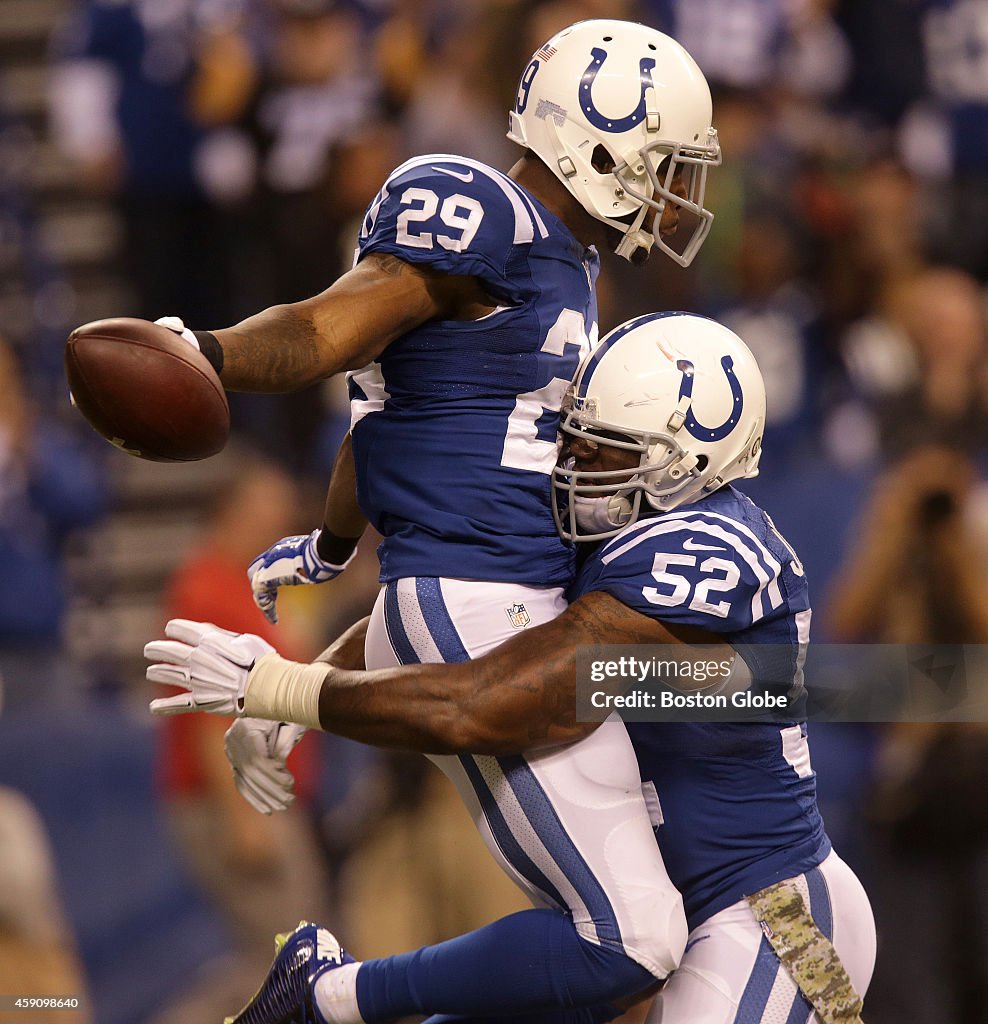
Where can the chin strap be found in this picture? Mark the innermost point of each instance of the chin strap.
(634, 238)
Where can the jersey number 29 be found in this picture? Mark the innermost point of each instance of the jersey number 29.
(462, 213)
(523, 448)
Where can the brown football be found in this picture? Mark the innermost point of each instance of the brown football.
(146, 390)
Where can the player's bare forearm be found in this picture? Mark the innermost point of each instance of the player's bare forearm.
(453, 709)
(288, 347)
(519, 697)
(273, 351)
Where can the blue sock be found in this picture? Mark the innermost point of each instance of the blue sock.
(530, 961)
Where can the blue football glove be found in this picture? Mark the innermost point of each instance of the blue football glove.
(291, 561)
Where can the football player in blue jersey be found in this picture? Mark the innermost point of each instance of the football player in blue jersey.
(467, 311)
(660, 419)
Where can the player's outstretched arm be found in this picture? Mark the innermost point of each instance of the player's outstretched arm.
(519, 697)
(287, 347)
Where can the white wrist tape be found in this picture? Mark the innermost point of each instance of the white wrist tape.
(284, 691)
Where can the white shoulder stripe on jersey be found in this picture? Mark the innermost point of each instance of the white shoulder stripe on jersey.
(526, 216)
(630, 530)
(770, 560)
(543, 230)
(371, 219)
(765, 582)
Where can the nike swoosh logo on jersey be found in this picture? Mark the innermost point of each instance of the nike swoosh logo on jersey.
(693, 942)
(691, 545)
(455, 174)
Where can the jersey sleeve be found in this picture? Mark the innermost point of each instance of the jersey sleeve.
(710, 576)
(455, 216)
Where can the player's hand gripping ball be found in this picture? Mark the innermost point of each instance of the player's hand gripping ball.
(147, 388)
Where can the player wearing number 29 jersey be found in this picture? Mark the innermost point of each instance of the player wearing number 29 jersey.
(454, 435)
(454, 440)
(454, 426)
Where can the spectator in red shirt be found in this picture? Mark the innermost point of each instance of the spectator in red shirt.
(255, 869)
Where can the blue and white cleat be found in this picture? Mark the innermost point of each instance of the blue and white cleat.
(285, 997)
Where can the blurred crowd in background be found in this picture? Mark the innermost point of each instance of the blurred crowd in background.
(208, 158)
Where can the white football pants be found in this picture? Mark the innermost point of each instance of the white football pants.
(569, 826)
(731, 975)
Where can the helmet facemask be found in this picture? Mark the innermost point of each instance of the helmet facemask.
(645, 178)
(591, 505)
(662, 162)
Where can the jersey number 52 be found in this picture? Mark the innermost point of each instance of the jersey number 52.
(678, 588)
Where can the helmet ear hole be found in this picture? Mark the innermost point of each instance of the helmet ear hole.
(701, 463)
(602, 161)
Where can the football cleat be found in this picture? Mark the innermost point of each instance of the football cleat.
(285, 996)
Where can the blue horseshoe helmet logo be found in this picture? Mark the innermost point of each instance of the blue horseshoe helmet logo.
(697, 429)
(594, 116)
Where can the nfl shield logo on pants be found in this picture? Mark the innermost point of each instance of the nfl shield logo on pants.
(518, 615)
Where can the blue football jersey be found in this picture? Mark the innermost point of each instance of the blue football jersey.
(454, 426)
(738, 799)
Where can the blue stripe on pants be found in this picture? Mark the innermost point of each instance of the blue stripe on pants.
(754, 999)
(400, 643)
(820, 909)
(561, 848)
(505, 838)
(438, 619)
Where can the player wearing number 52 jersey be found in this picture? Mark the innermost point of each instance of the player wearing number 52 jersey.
(667, 411)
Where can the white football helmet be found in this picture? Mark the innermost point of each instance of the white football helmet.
(683, 392)
(617, 110)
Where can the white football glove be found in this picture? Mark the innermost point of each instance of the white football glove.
(210, 663)
(293, 560)
(257, 750)
(176, 324)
